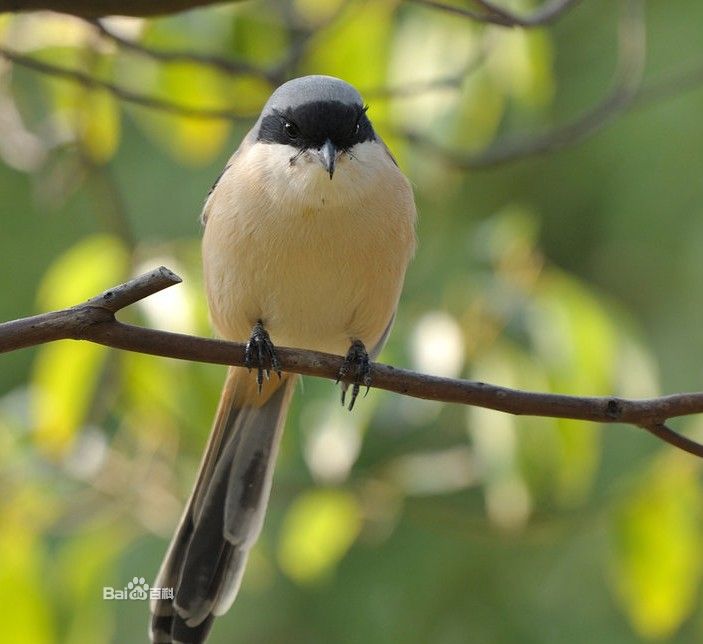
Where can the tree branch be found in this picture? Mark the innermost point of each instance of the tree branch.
(95, 9)
(95, 321)
(93, 82)
(489, 13)
(495, 15)
(626, 92)
(219, 63)
(625, 89)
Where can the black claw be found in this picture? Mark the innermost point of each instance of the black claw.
(355, 393)
(356, 364)
(260, 354)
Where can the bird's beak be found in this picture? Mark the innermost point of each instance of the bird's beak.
(327, 156)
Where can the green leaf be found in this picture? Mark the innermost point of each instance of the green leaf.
(259, 37)
(85, 564)
(495, 439)
(576, 340)
(65, 373)
(23, 593)
(337, 51)
(656, 536)
(318, 530)
(192, 141)
(98, 122)
(90, 116)
(521, 65)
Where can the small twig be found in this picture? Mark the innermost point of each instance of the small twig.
(153, 102)
(671, 84)
(95, 321)
(224, 65)
(489, 18)
(300, 41)
(625, 94)
(495, 15)
(417, 88)
(274, 75)
(625, 88)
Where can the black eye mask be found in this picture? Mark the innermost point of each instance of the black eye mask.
(308, 126)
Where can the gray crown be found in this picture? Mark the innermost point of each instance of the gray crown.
(308, 89)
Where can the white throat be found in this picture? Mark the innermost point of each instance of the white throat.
(299, 179)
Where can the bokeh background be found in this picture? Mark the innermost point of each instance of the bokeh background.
(577, 271)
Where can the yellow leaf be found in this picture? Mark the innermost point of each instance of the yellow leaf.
(64, 382)
(495, 439)
(84, 565)
(259, 36)
(89, 116)
(656, 547)
(574, 335)
(521, 65)
(320, 527)
(191, 140)
(25, 617)
(98, 124)
(86, 269)
(65, 373)
(576, 339)
(356, 47)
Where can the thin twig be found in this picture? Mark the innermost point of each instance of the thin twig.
(224, 65)
(152, 102)
(625, 94)
(672, 84)
(417, 88)
(624, 90)
(95, 321)
(274, 75)
(495, 15)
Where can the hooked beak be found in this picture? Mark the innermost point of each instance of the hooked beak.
(327, 156)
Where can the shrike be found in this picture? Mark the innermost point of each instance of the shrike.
(308, 233)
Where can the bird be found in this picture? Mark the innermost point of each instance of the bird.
(308, 233)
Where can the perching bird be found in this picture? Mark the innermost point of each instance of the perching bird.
(308, 233)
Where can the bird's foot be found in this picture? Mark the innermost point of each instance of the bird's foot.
(260, 354)
(357, 367)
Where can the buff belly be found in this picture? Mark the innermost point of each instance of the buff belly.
(318, 261)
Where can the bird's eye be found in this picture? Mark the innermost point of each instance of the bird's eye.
(291, 130)
(357, 128)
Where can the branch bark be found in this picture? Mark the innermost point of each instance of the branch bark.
(94, 9)
(95, 321)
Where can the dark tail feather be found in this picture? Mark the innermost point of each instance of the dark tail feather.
(205, 561)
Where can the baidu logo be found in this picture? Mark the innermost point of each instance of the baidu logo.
(137, 589)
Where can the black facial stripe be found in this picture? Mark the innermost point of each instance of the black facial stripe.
(314, 123)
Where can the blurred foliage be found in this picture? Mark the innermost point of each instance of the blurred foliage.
(407, 520)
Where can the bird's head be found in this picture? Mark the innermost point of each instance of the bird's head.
(318, 120)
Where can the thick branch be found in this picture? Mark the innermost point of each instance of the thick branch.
(94, 9)
(95, 321)
(488, 12)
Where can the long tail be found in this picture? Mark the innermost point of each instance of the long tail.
(205, 562)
